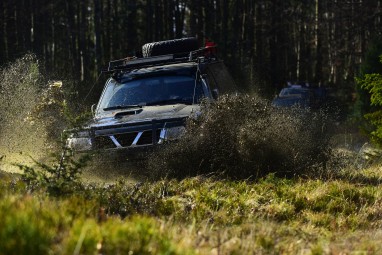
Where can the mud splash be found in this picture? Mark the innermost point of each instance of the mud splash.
(32, 118)
(24, 134)
(245, 137)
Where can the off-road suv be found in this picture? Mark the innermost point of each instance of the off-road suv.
(147, 100)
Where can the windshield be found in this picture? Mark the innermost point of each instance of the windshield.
(293, 92)
(150, 91)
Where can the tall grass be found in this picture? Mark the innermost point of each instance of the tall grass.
(195, 216)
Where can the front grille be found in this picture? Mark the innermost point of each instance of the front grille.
(104, 142)
(127, 139)
(147, 137)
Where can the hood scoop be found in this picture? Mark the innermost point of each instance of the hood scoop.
(119, 115)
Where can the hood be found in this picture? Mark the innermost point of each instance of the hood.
(146, 113)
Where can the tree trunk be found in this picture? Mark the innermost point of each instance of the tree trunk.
(97, 31)
(318, 69)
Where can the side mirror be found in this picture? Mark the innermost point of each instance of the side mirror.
(215, 94)
(92, 109)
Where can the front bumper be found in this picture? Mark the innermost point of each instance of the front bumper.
(127, 137)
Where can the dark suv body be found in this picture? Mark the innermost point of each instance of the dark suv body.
(146, 101)
(302, 95)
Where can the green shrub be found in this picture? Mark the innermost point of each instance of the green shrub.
(371, 64)
(373, 84)
(60, 178)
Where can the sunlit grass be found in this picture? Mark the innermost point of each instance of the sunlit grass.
(197, 216)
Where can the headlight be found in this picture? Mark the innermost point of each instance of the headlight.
(79, 141)
(169, 134)
(79, 134)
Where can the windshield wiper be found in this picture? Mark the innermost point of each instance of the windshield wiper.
(117, 107)
(171, 101)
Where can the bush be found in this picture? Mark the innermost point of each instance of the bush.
(62, 177)
(373, 84)
(370, 64)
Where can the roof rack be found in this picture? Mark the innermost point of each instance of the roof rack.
(133, 62)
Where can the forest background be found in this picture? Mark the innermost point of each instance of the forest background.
(265, 43)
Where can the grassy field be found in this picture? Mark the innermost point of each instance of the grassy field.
(199, 215)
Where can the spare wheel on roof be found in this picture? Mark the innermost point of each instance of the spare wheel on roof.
(170, 47)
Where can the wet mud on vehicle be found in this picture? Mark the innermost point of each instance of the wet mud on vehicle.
(146, 101)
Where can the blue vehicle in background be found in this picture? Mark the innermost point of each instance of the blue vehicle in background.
(301, 95)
